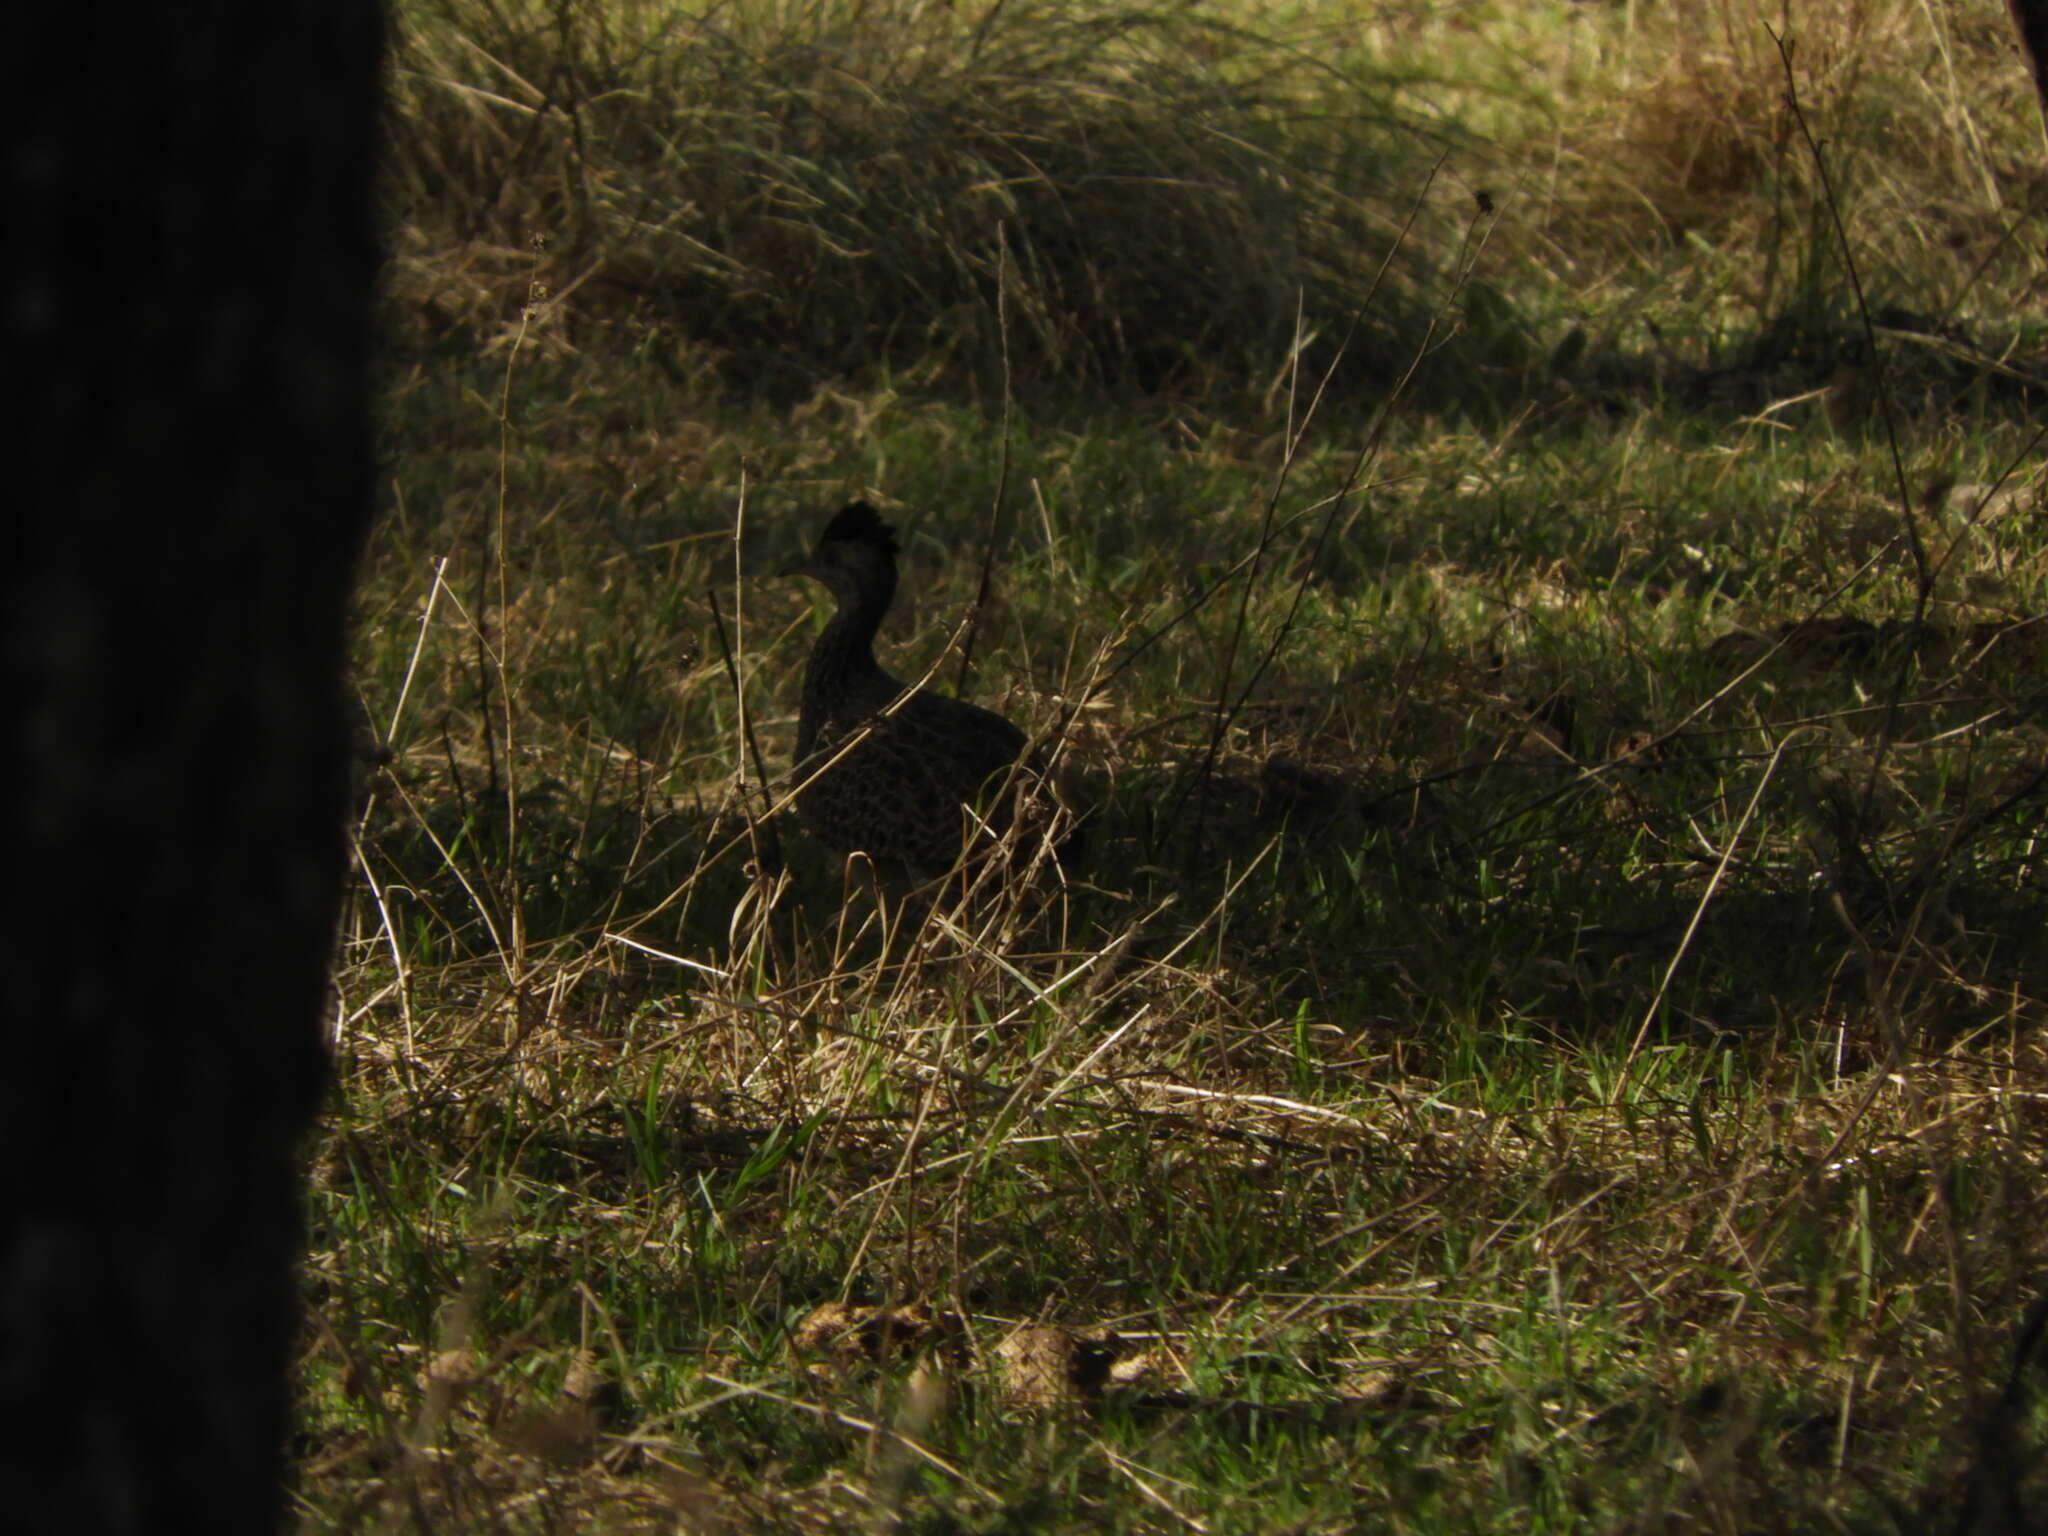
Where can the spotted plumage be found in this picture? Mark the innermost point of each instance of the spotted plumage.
(899, 793)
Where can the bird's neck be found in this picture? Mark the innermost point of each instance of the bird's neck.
(846, 650)
(850, 638)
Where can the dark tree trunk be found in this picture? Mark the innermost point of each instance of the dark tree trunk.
(2031, 18)
(185, 273)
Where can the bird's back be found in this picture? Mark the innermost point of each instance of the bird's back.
(898, 792)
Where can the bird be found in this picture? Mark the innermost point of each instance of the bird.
(882, 768)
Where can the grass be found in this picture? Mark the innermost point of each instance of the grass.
(1544, 1035)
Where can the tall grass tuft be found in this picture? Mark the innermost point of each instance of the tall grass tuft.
(789, 190)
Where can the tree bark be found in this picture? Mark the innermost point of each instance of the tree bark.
(2030, 17)
(185, 280)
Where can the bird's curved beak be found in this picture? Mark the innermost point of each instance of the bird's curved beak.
(803, 565)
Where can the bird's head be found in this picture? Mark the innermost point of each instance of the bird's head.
(856, 552)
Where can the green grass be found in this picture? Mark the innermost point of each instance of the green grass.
(1533, 1043)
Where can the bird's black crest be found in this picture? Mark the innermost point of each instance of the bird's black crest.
(860, 523)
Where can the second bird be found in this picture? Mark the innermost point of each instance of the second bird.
(898, 795)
